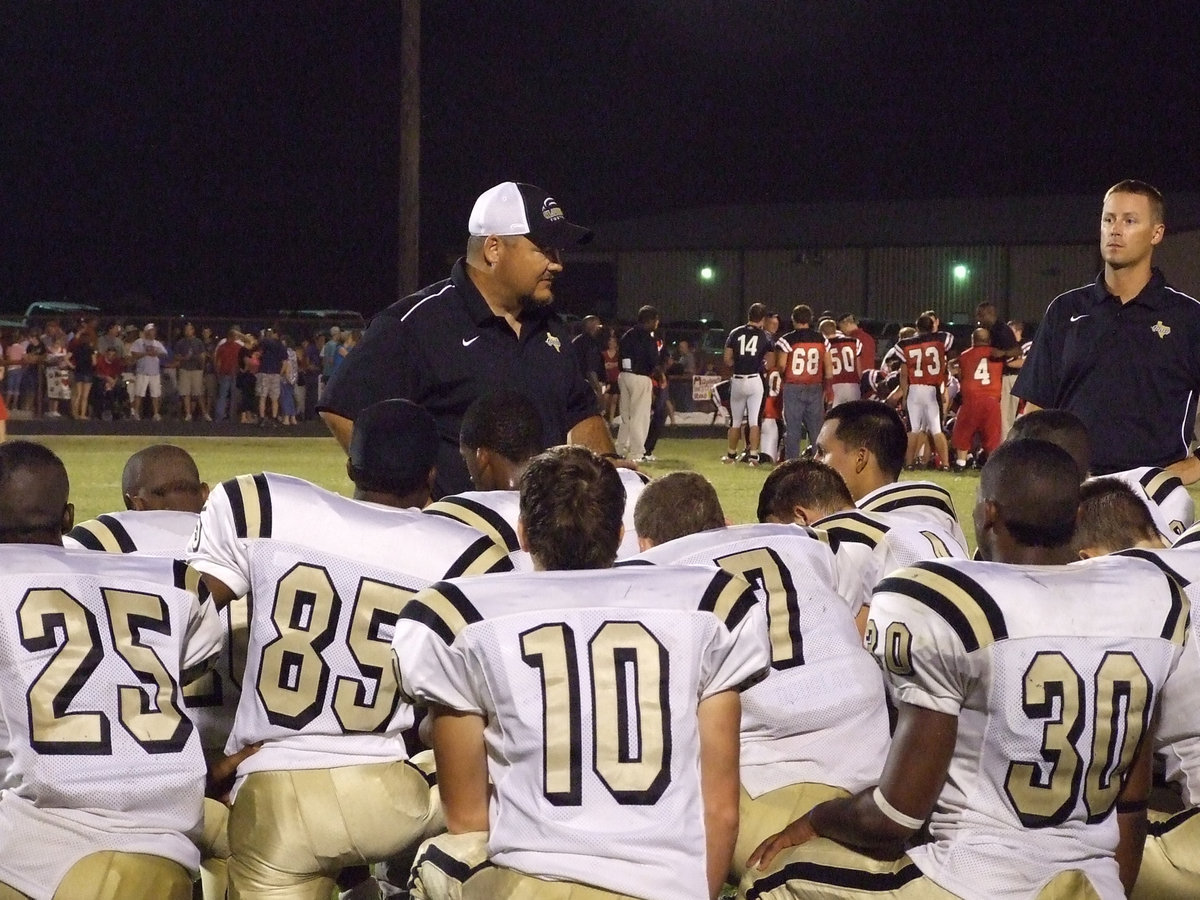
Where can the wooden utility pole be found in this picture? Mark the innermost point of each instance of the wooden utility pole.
(410, 146)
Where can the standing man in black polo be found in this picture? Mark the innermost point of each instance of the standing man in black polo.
(590, 352)
(1006, 348)
(1123, 353)
(489, 325)
(640, 353)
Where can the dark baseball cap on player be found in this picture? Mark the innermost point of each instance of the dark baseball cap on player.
(513, 208)
(393, 446)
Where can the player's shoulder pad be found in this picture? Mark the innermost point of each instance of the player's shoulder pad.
(1159, 484)
(477, 515)
(1177, 623)
(250, 504)
(483, 556)
(853, 527)
(729, 597)
(443, 609)
(903, 495)
(104, 533)
(959, 600)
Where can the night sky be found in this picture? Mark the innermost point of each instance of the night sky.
(243, 155)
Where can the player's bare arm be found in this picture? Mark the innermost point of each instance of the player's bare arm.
(1131, 809)
(340, 427)
(720, 720)
(221, 593)
(592, 433)
(912, 779)
(461, 757)
(1186, 470)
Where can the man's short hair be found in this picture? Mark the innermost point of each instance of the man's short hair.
(21, 513)
(647, 314)
(1035, 488)
(677, 505)
(572, 503)
(924, 324)
(802, 314)
(505, 422)
(1112, 517)
(1158, 207)
(757, 313)
(875, 426)
(801, 482)
(1058, 426)
(393, 447)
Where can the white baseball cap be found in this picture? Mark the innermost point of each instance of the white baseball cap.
(513, 208)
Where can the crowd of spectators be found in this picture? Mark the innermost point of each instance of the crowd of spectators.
(109, 370)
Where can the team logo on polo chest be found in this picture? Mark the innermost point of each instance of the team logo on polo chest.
(1160, 329)
(554, 342)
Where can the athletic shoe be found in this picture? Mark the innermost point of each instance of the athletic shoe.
(752, 459)
(729, 458)
(649, 457)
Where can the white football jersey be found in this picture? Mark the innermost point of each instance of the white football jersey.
(327, 577)
(1054, 675)
(824, 694)
(211, 699)
(867, 546)
(923, 502)
(161, 530)
(1178, 735)
(590, 683)
(104, 757)
(1168, 500)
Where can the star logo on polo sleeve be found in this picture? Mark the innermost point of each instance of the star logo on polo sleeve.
(1160, 329)
(554, 342)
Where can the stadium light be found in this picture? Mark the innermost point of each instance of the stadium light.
(707, 273)
(960, 272)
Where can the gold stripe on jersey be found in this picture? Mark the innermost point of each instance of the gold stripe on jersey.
(1191, 536)
(1159, 484)
(250, 502)
(902, 496)
(443, 609)
(728, 597)
(852, 527)
(481, 557)
(103, 533)
(480, 517)
(1177, 624)
(960, 601)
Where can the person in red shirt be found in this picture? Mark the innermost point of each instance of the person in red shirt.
(111, 395)
(227, 363)
(981, 380)
(844, 369)
(922, 388)
(848, 325)
(804, 361)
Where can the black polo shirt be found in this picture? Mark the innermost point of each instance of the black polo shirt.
(1002, 338)
(1131, 372)
(639, 351)
(442, 347)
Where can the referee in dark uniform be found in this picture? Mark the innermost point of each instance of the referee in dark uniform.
(488, 326)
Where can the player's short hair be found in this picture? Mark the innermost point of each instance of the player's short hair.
(23, 512)
(163, 469)
(801, 482)
(646, 315)
(827, 327)
(906, 332)
(924, 324)
(572, 503)
(677, 505)
(1112, 517)
(1034, 485)
(506, 422)
(757, 313)
(802, 314)
(875, 426)
(393, 447)
(1058, 426)
(1158, 207)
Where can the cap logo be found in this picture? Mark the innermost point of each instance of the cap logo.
(551, 211)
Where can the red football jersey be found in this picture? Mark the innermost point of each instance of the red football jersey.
(843, 354)
(925, 357)
(803, 356)
(979, 375)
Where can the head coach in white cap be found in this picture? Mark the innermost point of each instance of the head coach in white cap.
(489, 325)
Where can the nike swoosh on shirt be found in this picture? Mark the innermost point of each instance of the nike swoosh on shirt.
(467, 343)
(1077, 318)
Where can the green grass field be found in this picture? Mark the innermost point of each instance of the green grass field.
(95, 465)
